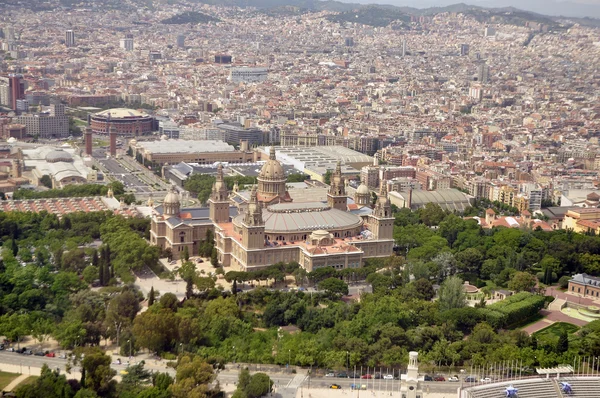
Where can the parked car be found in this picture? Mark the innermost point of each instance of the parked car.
(439, 378)
(10, 349)
(27, 352)
(330, 374)
(453, 378)
(427, 378)
(342, 374)
(471, 379)
(486, 380)
(377, 376)
(50, 354)
(39, 353)
(335, 386)
(388, 377)
(1, 346)
(367, 376)
(200, 260)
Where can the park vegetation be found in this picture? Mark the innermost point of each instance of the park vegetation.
(418, 301)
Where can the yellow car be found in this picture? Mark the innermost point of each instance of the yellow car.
(335, 386)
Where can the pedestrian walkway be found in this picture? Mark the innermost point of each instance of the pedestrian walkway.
(296, 381)
(556, 305)
(13, 384)
(570, 297)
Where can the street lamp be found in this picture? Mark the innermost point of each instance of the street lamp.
(289, 357)
(129, 341)
(233, 354)
(347, 361)
(180, 348)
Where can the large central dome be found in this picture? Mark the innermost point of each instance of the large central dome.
(272, 170)
(271, 181)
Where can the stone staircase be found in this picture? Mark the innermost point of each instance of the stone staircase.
(556, 305)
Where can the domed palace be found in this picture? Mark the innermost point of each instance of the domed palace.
(268, 226)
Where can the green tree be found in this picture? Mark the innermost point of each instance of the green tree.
(327, 177)
(214, 259)
(432, 214)
(50, 384)
(156, 331)
(334, 286)
(452, 294)
(522, 282)
(298, 177)
(90, 274)
(98, 373)
(46, 181)
(151, 297)
(200, 185)
(136, 376)
(562, 345)
(120, 312)
(243, 379)
(260, 385)
(193, 378)
(86, 393)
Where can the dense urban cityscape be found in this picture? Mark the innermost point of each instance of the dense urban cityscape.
(263, 198)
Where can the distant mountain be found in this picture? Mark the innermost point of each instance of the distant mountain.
(373, 16)
(192, 17)
(567, 8)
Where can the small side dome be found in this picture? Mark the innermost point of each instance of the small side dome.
(362, 190)
(172, 197)
(58, 155)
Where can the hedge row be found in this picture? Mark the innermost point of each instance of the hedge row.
(514, 309)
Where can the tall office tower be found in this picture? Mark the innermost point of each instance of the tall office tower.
(127, 44)
(483, 73)
(70, 38)
(181, 41)
(489, 32)
(10, 33)
(464, 50)
(17, 89)
(57, 110)
(403, 47)
(349, 41)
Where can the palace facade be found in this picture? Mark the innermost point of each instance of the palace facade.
(254, 229)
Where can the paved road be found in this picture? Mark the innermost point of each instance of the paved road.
(129, 177)
(12, 358)
(229, 376)
(282, 379)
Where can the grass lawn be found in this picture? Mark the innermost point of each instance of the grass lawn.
(553, 331)
(6, 378)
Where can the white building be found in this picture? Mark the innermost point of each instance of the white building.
(127, 44)
(248, 75)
